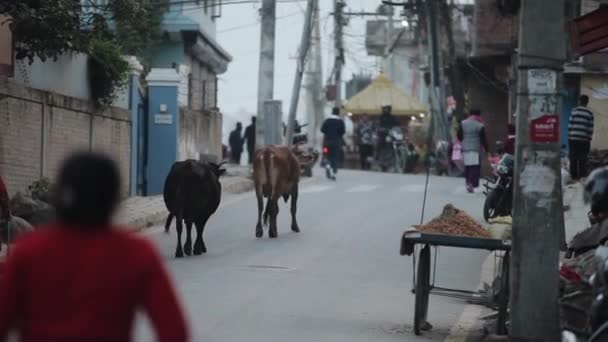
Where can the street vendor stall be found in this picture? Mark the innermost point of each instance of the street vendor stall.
(453, 228)
(382, 91)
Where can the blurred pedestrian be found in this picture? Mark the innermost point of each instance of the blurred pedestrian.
(580, 133)
(82, 278)
(236, 143)
(5, 213)
(472, 135)
(365, 139)
(250, 139)
(510, 145)
(333, 130)
(5, 208)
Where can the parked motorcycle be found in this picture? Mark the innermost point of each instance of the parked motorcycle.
(391, 155)
(598, 315)
(499, 192)
(306, 154)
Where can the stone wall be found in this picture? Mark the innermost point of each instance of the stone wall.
(38, 129)
(199, 133)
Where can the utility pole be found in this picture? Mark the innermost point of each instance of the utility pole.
(314, 82)
(389, 36)
(266, 69)
(297, 82)
(538, 219)
(338, 39)
(437, 88)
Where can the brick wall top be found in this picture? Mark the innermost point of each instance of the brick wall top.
(494, 33)
(16, 90)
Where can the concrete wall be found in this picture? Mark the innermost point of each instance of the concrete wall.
(67, 76)
(168, 54)
(199, 133)
(596, 87)
(202, 91)
(39, 129)
(493, 33)
(197, 13)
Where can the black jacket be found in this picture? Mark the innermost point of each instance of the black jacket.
(333, 129)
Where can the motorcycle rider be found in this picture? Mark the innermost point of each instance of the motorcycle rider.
(385, 123)
(596, 193)
(333, 130)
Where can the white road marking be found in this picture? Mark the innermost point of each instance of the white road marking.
(363, 188)
(418, 188)
(315, 188)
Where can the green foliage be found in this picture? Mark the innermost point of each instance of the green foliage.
(43, 28)
(49, 28)
(40, 190)
(108, 71)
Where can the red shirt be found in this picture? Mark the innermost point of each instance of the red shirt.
(67, 284)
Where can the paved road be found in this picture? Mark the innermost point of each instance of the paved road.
(340, 279)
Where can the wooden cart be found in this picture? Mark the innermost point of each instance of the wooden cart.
(424, 285)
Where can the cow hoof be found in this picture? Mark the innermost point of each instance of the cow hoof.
(272, 235)
(295, 229)
(199, 249)
(188, 250)
(259, 232)
(179, 254)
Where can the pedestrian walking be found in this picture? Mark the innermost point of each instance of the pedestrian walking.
(365, 140)
(82, 278)
(5, 213)
(236, 143)
(472, 135)
(333, 130)
(580, 133)
(250, 139)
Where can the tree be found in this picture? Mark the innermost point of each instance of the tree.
(47, 29)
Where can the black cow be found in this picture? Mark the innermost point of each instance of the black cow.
(192, 193)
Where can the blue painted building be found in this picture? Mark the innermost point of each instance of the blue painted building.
(191, 48)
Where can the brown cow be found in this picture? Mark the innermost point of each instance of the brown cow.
(276, 173)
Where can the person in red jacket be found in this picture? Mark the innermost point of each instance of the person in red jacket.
(81, 278)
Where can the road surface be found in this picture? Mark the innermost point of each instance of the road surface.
(340, 279)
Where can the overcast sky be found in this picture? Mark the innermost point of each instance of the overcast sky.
(239, 33)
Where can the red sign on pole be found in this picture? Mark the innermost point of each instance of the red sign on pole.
(545, 129)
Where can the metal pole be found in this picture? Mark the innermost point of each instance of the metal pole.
(538, 219)
(338, 25)
(314, 83)
(387, 49)
(297, 82)
(319, 96)
(437, 93)
(266, 70)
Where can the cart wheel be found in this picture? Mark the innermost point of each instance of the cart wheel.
(503, 296)
(423, 288)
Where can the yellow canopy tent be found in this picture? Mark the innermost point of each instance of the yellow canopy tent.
(381, 92)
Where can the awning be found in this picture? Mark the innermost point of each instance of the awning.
(381, 92)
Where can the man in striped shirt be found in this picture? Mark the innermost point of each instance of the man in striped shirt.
(580, 132)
